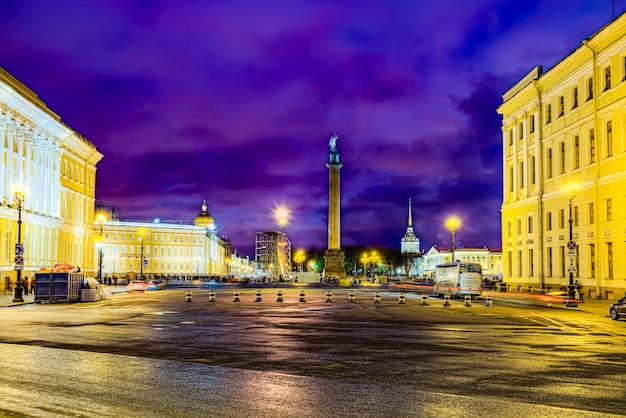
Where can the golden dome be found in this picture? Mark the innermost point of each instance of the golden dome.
(204, 218)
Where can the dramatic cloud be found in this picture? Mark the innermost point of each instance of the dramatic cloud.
(234, 102)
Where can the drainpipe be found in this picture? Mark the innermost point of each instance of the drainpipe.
(539, 183)
(596, 233)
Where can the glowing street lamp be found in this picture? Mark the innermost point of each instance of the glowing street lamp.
(453, 223)
(282, 215)
(142, 232)
(20, 194)
(299, 257)
(100, 219)
(569, 190)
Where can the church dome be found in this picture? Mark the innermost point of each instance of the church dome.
(204, 218)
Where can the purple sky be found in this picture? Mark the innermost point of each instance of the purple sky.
(235, 101)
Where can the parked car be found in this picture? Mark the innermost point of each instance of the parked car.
(137, 286)
(156, 285)
(618, 309)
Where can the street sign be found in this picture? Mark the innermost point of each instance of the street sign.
(571, 269)
(571, 253)
(145, 262)
(19, 262)
(571, 245)
(19, 248)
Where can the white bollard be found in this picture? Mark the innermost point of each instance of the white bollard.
(402, 299)
(279, 296)
(212, 296)
(489, 301)
(329, 297)
(258, 296)
(351, 297)
(235, 296)
(424, 299)
(468, 301)
(302, 298)
(188, 297)
(446, 301)
(377, 297)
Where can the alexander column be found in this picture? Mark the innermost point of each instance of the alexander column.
(334, 257)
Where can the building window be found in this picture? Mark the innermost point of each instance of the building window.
(532, 123)
(575, 216)
(609, 259)
(607, 78)
(574, 97)
(576, 152)
(562, 159)
(549, 261)
(592, 261)
(609, 210)
(521, 175)
(609, 138)
(592, 146)
(530, 224)
(624, 68)
(510, 137)
(509, 257)
(510, 179)
(519, 227)
(562, 260)
(561, 218)
(531, 263)
(548, 113)
(561, 106)
(549, 221)
(508, 229)
(532, 170)
(549, 165)
(519, 263)
(589, 88)
(521, 130)
(591, 214)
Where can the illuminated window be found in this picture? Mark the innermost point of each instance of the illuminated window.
(549, 164)
(575, 216)
(592, 260)
(591, 213)
(549, 221)
(549, 261)
(592, 146)
(609, 210)
(609, 259)
(609, 138)
(576, 152)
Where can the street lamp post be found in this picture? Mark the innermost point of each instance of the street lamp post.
(100, 219)
(453, 223)
(19, 247)
(141, 234)
(569, 190)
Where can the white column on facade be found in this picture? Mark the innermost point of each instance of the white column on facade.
(56, 183)
(3, 159)
(10, 166)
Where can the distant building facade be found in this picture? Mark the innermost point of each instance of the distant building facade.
(489, 259)
(560, 128)
(273, 253)
(56, 166)
(166, 249)
(410, 249)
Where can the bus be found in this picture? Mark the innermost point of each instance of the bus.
(459, 279)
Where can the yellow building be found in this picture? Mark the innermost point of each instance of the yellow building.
(168, 249)
(56, 167)
(561, 127)
(489, 259)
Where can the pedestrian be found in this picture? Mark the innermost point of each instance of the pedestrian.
(32, 285)
(25, 285)
(578, 289)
